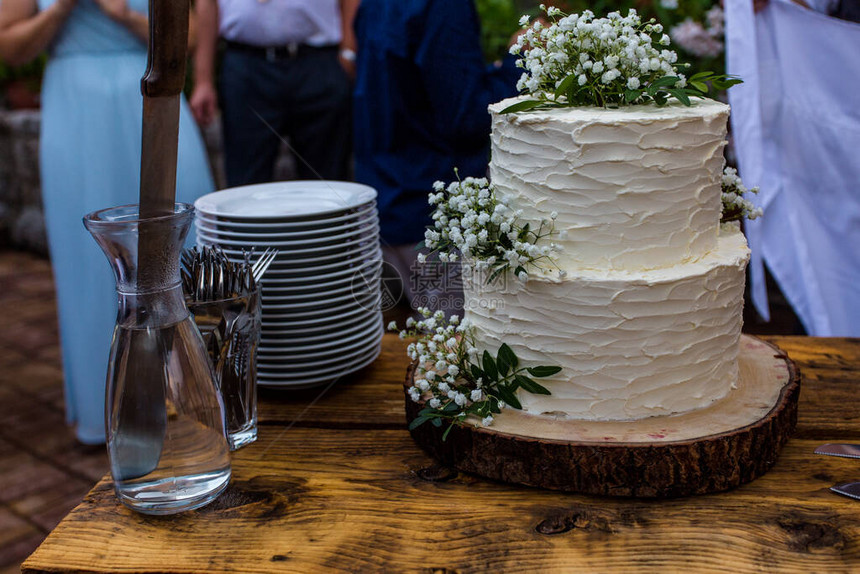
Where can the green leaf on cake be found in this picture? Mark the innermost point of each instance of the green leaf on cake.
(544, 371)
(565, 85)
(506, 354)
(490, 367)
(509, 397)
(703, 88)
(417, 422)
(632, 95)
(477, 373)
(499, 270)
(523, 106)
(531, 386)
(664, 82)
(681, 96)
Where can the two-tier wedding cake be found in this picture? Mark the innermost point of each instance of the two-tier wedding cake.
(644, 310)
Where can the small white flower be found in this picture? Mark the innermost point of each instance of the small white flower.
(523, 276)
(487, 421)
(443, 387)
(476, 395)
(434, 403)
(633, 83)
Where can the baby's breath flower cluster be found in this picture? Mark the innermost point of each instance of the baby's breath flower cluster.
(469, 219)
(580, 60)
(454, 380)
(735, 207)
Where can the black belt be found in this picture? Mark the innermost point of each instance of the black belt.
(289, 51)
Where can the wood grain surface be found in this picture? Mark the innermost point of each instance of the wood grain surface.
(357, 495)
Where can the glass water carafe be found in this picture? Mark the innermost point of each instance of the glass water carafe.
(165, 418)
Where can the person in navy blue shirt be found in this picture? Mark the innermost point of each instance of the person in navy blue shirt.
(420, 108)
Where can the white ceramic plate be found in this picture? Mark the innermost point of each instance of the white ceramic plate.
(309, 225)
(277, 351)
(283, 274)
(286, 295)
(287, 371)
(273, 379)
(282, 282)
(264, 236)
(289, 303)
(367, 231)
(286, 261)
(310, 277)
(308, 363)
(286, 200)
(345, 327)
(370, 302)
(277, 271)
(280, 297)
(289, 320)
(345, 334)
(338, 249)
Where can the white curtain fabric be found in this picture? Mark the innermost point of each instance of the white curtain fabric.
(796, 128)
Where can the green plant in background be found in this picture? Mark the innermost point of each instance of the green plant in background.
(498, 22)
(695, 26)
(31, 72)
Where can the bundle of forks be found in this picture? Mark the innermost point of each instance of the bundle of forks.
(209, 275)
(225, 302)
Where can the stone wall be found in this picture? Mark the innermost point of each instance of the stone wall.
(21, 222)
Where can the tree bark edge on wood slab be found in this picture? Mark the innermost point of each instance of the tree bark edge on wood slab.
(708, 464)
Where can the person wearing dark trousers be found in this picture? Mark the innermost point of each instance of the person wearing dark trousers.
(285, 73)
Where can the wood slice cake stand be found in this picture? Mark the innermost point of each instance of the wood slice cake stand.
(726, 444)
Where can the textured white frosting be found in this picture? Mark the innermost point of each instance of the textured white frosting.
(634, 188)
(631, 344)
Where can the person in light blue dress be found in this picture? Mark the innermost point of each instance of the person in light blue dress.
(90, 159)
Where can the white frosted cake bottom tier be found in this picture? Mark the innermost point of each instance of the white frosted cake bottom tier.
(631, 345)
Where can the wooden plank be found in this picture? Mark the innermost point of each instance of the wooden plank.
(830, 369)
(307, 500)
(373, 398)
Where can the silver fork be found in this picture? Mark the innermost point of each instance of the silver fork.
(258, 269)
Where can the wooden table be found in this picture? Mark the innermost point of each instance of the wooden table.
(335, 483)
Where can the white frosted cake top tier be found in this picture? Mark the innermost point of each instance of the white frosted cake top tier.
(634, 188)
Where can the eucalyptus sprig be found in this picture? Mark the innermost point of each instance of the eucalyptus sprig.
(608, 62)
(469, 221)
(456, 381)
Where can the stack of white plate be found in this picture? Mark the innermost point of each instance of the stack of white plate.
(321, 295)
